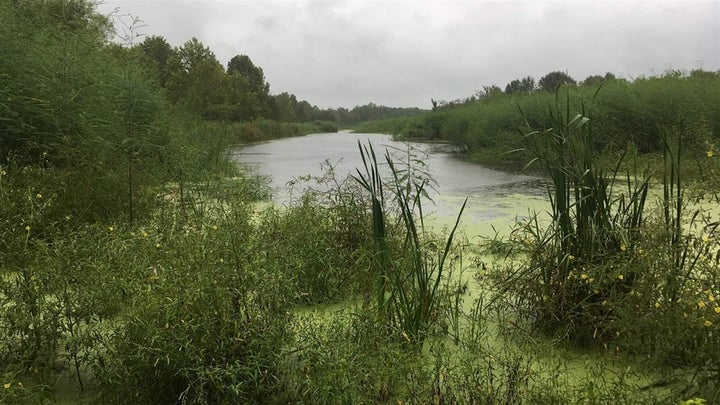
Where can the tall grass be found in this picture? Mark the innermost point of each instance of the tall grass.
(591, 223)
(408, 285)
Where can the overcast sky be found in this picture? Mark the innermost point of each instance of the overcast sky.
(403, 53)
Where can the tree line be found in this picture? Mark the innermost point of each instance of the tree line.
(527, 85)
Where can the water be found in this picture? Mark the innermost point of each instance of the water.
(495, 198)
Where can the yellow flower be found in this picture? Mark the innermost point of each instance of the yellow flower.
(110, 228)
(2, 173)
(27, 228)
(623, 247)
(584, 276)
(706, 238)
(144, 234)
(711, 298)
(38, 196)
(7, 386)
(621, 277)
(157, 245)
(657, 305)
(701, 304)
(214, 227)
(717, 310)
(709, 153)
(707, 323)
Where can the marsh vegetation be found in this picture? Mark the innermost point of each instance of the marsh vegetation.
(137, 266)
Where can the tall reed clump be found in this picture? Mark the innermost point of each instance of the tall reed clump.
(407, 283)
(570, 272)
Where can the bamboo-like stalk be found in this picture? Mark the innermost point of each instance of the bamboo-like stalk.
(407, 296)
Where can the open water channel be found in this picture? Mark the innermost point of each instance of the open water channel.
(495, 198)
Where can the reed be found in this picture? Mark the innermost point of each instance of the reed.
(407, 282)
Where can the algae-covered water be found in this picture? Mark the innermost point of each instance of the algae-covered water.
(495, 198)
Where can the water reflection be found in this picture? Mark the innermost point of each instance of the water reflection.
(492, 195)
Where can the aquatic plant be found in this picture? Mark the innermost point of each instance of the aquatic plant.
(408, 285)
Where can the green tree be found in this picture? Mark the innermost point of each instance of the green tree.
(520, 86)
(284, 107)
(250, 93)
(596, 80)
(158, 53)
(198, 81)
(488, 92)
(304, 111)
(552, 80)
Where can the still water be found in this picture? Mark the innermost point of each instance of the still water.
(495, 198)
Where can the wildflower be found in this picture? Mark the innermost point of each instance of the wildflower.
(144, 234)
(717, 310)
(2, 173)
(709, 153)
(214, 227)
(657, 305)
(706, 238)
(707, 323)
(38, 196)
(110, 228)
(711, 298)
(621, 277)
(623, 247)
(222, 260)
(584, 276)
(7, 386)
(701, 304)
(67, 217)
(157, 245)
(27, 228)
(591, 279)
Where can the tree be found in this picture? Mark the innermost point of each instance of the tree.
(304, 111)
(158, 53)
(596, 80)
(250, 93)
(488, 92)
(241, 64)
(284, 106)
(198, 81)
(520, 86)
(552, 80)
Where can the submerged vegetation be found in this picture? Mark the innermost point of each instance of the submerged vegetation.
(137, 268)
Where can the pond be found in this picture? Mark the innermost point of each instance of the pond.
(495, 198)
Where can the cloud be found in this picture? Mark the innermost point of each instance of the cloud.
(402, 53)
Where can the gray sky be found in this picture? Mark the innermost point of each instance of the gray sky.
(403, 53)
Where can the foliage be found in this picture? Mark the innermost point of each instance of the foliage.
(626, 114)
(608, 270)
(407, 288)
(524, 85)
(551, 81)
